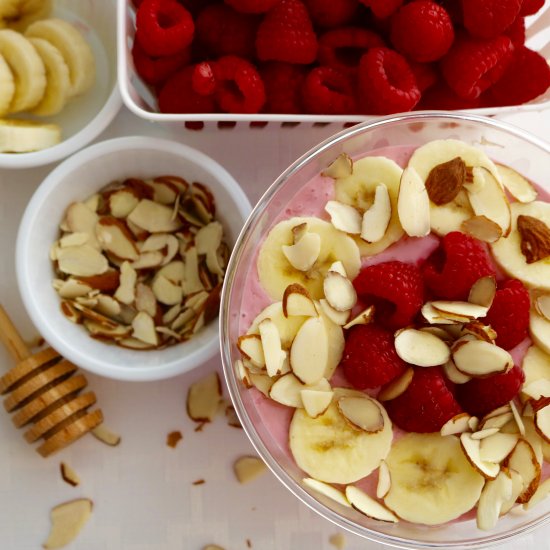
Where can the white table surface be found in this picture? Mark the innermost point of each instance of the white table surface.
(142, 490)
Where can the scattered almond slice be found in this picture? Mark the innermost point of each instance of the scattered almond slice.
(384, 480)
(344, 217)
(339, 291)
(297, 301)
(413, 204)
(458, 424)
(309, 351)
(203, 398)
(471, 449)
(326, 490)
(478, 358)
(337, 317)
(483, 291)
(482, 228)
(68, 519)
(497, 447)
(248, 468)
(173, 438)
(303, 254)
(271, 345)
(69, 475)
(518, 186)
(316, 402)
(368, 506)
(361, 413)
(377, 218)
(342, 167)
(459, 311)
(523, 460)
(421, 348)
(105, 435)
(338, 541)
(493, 496)
(397, 386)
(262, 383)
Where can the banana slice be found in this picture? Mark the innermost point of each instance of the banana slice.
(358, 190)
(24, 136)
(27, 12)
(8, 9)
(276, 272)
(328, 449)
(432, 482)
(507, 252)
(58, 83)
(73, 47)
(27, 68)
(7, 86)
(450, 217)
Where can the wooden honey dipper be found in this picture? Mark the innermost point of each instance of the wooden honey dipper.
(43, 392)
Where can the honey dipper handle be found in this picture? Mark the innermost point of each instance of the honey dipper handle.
(11, 338)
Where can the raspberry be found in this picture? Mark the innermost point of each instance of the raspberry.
(163, 27)
(527, 77)
(473, 65)
(426, 404)
(283, 85)
(489, 18)
(424, 74)
(482, 395)
(329, 91)
(529, 7)
(382, 8)
(251, 6)
(509, 314)
(195, 6)
(516, 32)
(395, 288)
(328, 13)
(155, 70)
(286, 34)
(203, 80)
(422, 31)
(177, 95)
(220, 30)
(369, 358)
(455, 266)
(441, 97)
(342, 48)
(386, 82)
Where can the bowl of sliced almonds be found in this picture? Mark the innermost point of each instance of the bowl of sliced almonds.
(121, 256)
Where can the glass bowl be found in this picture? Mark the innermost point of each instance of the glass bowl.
(504, 143)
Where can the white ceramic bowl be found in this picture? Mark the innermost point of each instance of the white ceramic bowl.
(85, 117)
(79, 177)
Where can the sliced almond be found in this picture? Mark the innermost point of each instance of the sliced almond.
(122, 202)
(459, 311)
(458, 424)
(148, 260)
(517, 486)
(421, 348)
(81, 261)
(172, 248)
(542, 305)
(517, 418)
(524, 461)
(377, 218)
(497, 447)
(384, 480)
(326, 490)
(287, 390)
(174, 271)
(271, 345)
(397, 386)
(482, 228)
(480, 331)
(362, 413)
(413, 204)
(485, 432)
(166, 292)
(518, 186)
(125, 293)
(108, 306)
(471, 449)
(192, 281)
(144, 329)
(153, 217)
(497, 421)
(338, 267)
(106, 282)
(483, 291)
(209, 237)
(164, 191)
(105, 435)
(81, 219)
(297, 301)
(433, 316)
(248, 468)
(102, 332)
(337, 317)
(364, 318)
(493, 496)
(68, 309)
(537, 389)
(114, 237)
(73, 239)
(304, 253)
(69, 475)
(316, 402)
(72, 288)
(203, 398)
(473, 422)
(542, 492)
(445, 181)
(145, 299)
(134, 343)
(242, 373)
(542, 422)
(298, 231)
(155, 242)
(92, 202)
(478, 358)
(342, 167)
(262, 383)
(363, 503)
(309, 351)
(344, 217)
(250, 345)
(339, 291)
(68, 519)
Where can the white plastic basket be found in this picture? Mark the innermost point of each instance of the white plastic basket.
(141, 101)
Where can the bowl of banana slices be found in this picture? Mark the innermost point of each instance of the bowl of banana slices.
(362, 312)
(58, 78)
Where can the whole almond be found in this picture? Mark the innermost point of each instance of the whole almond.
(535, 238)
(446, 180)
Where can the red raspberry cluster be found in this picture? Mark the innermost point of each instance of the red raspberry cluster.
(337, 56)
(398, 290)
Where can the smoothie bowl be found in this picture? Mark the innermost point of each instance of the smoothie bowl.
(384, 330)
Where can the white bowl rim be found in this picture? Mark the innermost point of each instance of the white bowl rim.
(95, 364)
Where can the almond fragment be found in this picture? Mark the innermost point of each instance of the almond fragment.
(497, 447)
(482, 228)
(539, 495)
(68, 519)
(480, 331)
(535, 238)
(397, 386)
(486, 432)
(339, 291)
(344, 217)
(326, 490)
(82, 261)
(242, 373)
(342, 167)
(166, 292)
(421, 348)
(122, 202)
(316, 402)
(337, 317)
(153, 217)
(377, 218)
(69, 475)
(304, 253)
(542, 422)
(80, 219)
(458, 424)
(73, 239)
(114, 237)
(105, 435)
(524, 461)
(287, 390)
(73, 288)
(413, 204)
(68, 309)
(542, 305)
(250, 346)
(248, 468)
(459, 311)
(271, 345)
(471, 449)
(173, 438)
(145, 299)
(364, 318)
(478, 358)
(519, 187)
(453, 374)
(445, 181)
(203, 398)
(125, 293)
(363, 503)
(433, 316)
(262, 383)
(144, 329)
(309, 351)
(384, 480)
(497, 421)
(494, 494)
(361, 413)
(537, 389)
(297, 301)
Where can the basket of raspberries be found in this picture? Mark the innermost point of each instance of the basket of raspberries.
(330, 60)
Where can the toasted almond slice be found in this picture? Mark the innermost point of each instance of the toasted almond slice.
(153, 217)
(262, 382)
(204, 397)
(69, 475)
(248, 468)
(337, 317)
(339, 291)
(497, 421)
(81, 261)
(144, 329)
(105, 435)
(543, 490)
(297, 301)
(421, 348)
(361, 413)
(250, 346)
(68, 519)
(326, 490)
(309, 351)
(471, 449)
(542, 422)
(68, 309)
(114, 237)
(377, 218)
(125, 293)
(72, 288)
(433, 316)
(542, 305)
(342, 167)
(368, 506)
(482, 228)
(483, 291)
(517, 418)
(166, 292)
(458, 424)
(494, 494)
(413, 204)
(459, 311)
(73, 239)
(344, 217)
(453, 374)
(303, 254)
(271, 345)
(316, 402)
(485, 432)
(397, 386)
(524, 461)
(518, 186)
(384, 480)
(497, 447)
(122, 202)
(478, 358)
